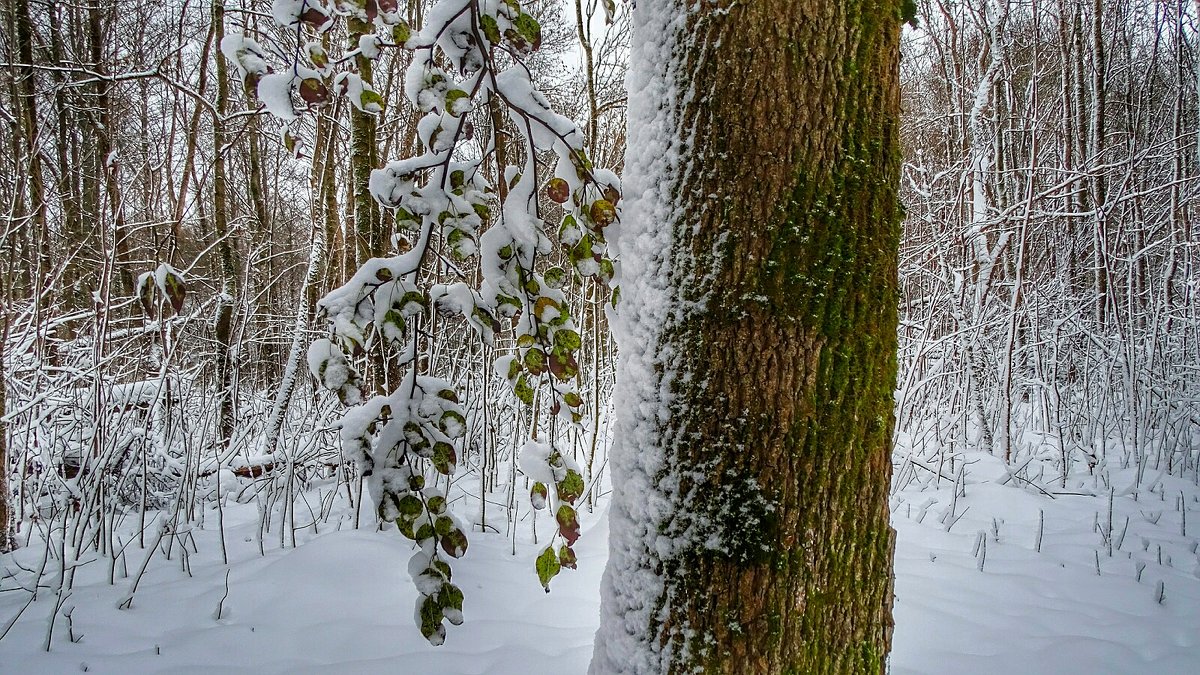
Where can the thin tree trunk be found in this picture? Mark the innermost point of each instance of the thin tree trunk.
(191, 142)
(371, 239)
(226, 302)
(7, 542)
(31, 133)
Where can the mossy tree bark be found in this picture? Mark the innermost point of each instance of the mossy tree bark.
(371, 238)
(779, 352)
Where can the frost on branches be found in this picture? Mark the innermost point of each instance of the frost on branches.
(464, 60)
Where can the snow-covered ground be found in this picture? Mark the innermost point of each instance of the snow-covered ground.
(1072, 608)
(978, 598)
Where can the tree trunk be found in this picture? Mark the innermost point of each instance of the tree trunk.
(6, 540)
(757, 334)
(757, 330)
(1099, 183)
(30, 131)
(225, 303)
(371, 239)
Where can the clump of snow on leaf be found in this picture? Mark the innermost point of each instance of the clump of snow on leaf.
(245, 54)
(275, 92)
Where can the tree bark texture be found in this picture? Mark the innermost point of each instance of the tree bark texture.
(31, 132)
(765, 545)
(371, 239)
(225, 304)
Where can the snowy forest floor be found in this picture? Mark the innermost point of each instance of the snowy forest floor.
(973, 593)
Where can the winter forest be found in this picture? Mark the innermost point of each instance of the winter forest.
(490, 336)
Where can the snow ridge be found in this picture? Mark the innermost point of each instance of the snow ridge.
(632, 593)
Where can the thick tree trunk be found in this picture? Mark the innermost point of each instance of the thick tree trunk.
(758, 334)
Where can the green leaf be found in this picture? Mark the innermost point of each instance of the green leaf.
(146, 299)
(607, 271)
(566, 557)
(486, 319)
(535, 361)
(289, 141)
(572, 399)
(370, 101)
(569, 232)
(401, 32)
(538, 495)
(568, 523)
(567, 339)
(603, 213)
(415, 437)
(582, 250)
(175, 290)
(444, 458)
(431, 620)
(583, 165)
(547, 567)
(453, 424)
(543, 303)
(413, 302)
(451, 597)
(410, 507)
(571, 487)
(453, 96)
(555, 277)
(406, 528)
(523, 391)
(491, 29)
(436, 504)
(443, 568)
(444, 525)
(528, 28)
(317, 55)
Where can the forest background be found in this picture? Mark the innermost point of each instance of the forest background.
(166, 242)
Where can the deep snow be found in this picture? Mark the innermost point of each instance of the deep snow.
(342, 600)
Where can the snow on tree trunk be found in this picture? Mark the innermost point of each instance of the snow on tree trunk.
(757, 334)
